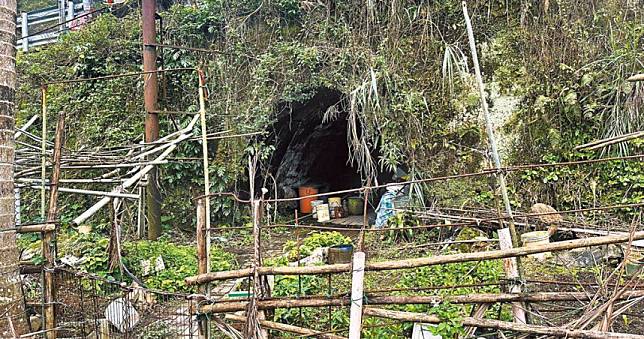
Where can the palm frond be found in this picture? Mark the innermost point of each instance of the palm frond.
(454, 65)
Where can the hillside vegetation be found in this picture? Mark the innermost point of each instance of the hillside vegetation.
(404, 68)
(555, 73)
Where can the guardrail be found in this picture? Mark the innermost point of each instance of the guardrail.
(64, 14)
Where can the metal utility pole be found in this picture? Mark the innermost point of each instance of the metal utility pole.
(150, 88)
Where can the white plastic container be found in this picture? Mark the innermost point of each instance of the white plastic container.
(314, 205)
(122, 314)
(535, 239)
(322, 212)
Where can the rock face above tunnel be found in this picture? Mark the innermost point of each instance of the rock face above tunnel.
(309, 151)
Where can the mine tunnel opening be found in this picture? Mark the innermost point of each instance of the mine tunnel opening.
(310, 151)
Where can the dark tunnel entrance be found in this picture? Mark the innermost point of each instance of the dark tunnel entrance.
(309, 151)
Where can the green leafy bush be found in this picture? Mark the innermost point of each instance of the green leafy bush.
(180, 262)
(467, 273)
(297, 286)
(313, 241)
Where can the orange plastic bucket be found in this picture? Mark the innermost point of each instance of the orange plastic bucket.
(310, 193)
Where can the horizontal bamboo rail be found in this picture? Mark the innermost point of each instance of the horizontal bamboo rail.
(419, 262)
(501, 325)
(610, 141)
(476, 298)
(36, 228)
(287, 328)
(116, 76)
(47, 227)
(90, 192)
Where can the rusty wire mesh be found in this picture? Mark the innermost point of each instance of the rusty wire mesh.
(91, 307)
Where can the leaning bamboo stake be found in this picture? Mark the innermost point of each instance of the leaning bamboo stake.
(287, 328)
(488, 125)
(26, 126)
(420, 262)
(501, 325)
(478, 314)
(48, 240)
(519, 313)
(43, 150)
(475, 298)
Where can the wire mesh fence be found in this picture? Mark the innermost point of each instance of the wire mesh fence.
(92, 307)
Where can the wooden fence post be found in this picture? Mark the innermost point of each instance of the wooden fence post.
(203, 211)
(203, 262)
(357, 293)
(512, 273)
(49, 237)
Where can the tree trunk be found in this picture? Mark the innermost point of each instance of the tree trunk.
(14, 322)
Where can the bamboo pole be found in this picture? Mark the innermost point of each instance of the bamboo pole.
(474, 298)
(488, 126)
(501, 325)
(186, 133)
(253, 327)
(610, 141)
(43, 150)
(30, 228)
(201, 243)
(26, 126)
(49, 237)
(287, 328)
(420, 262)
(519, 313)
(74, 181)
(119, 165)
(92, 192)
(36, 228)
